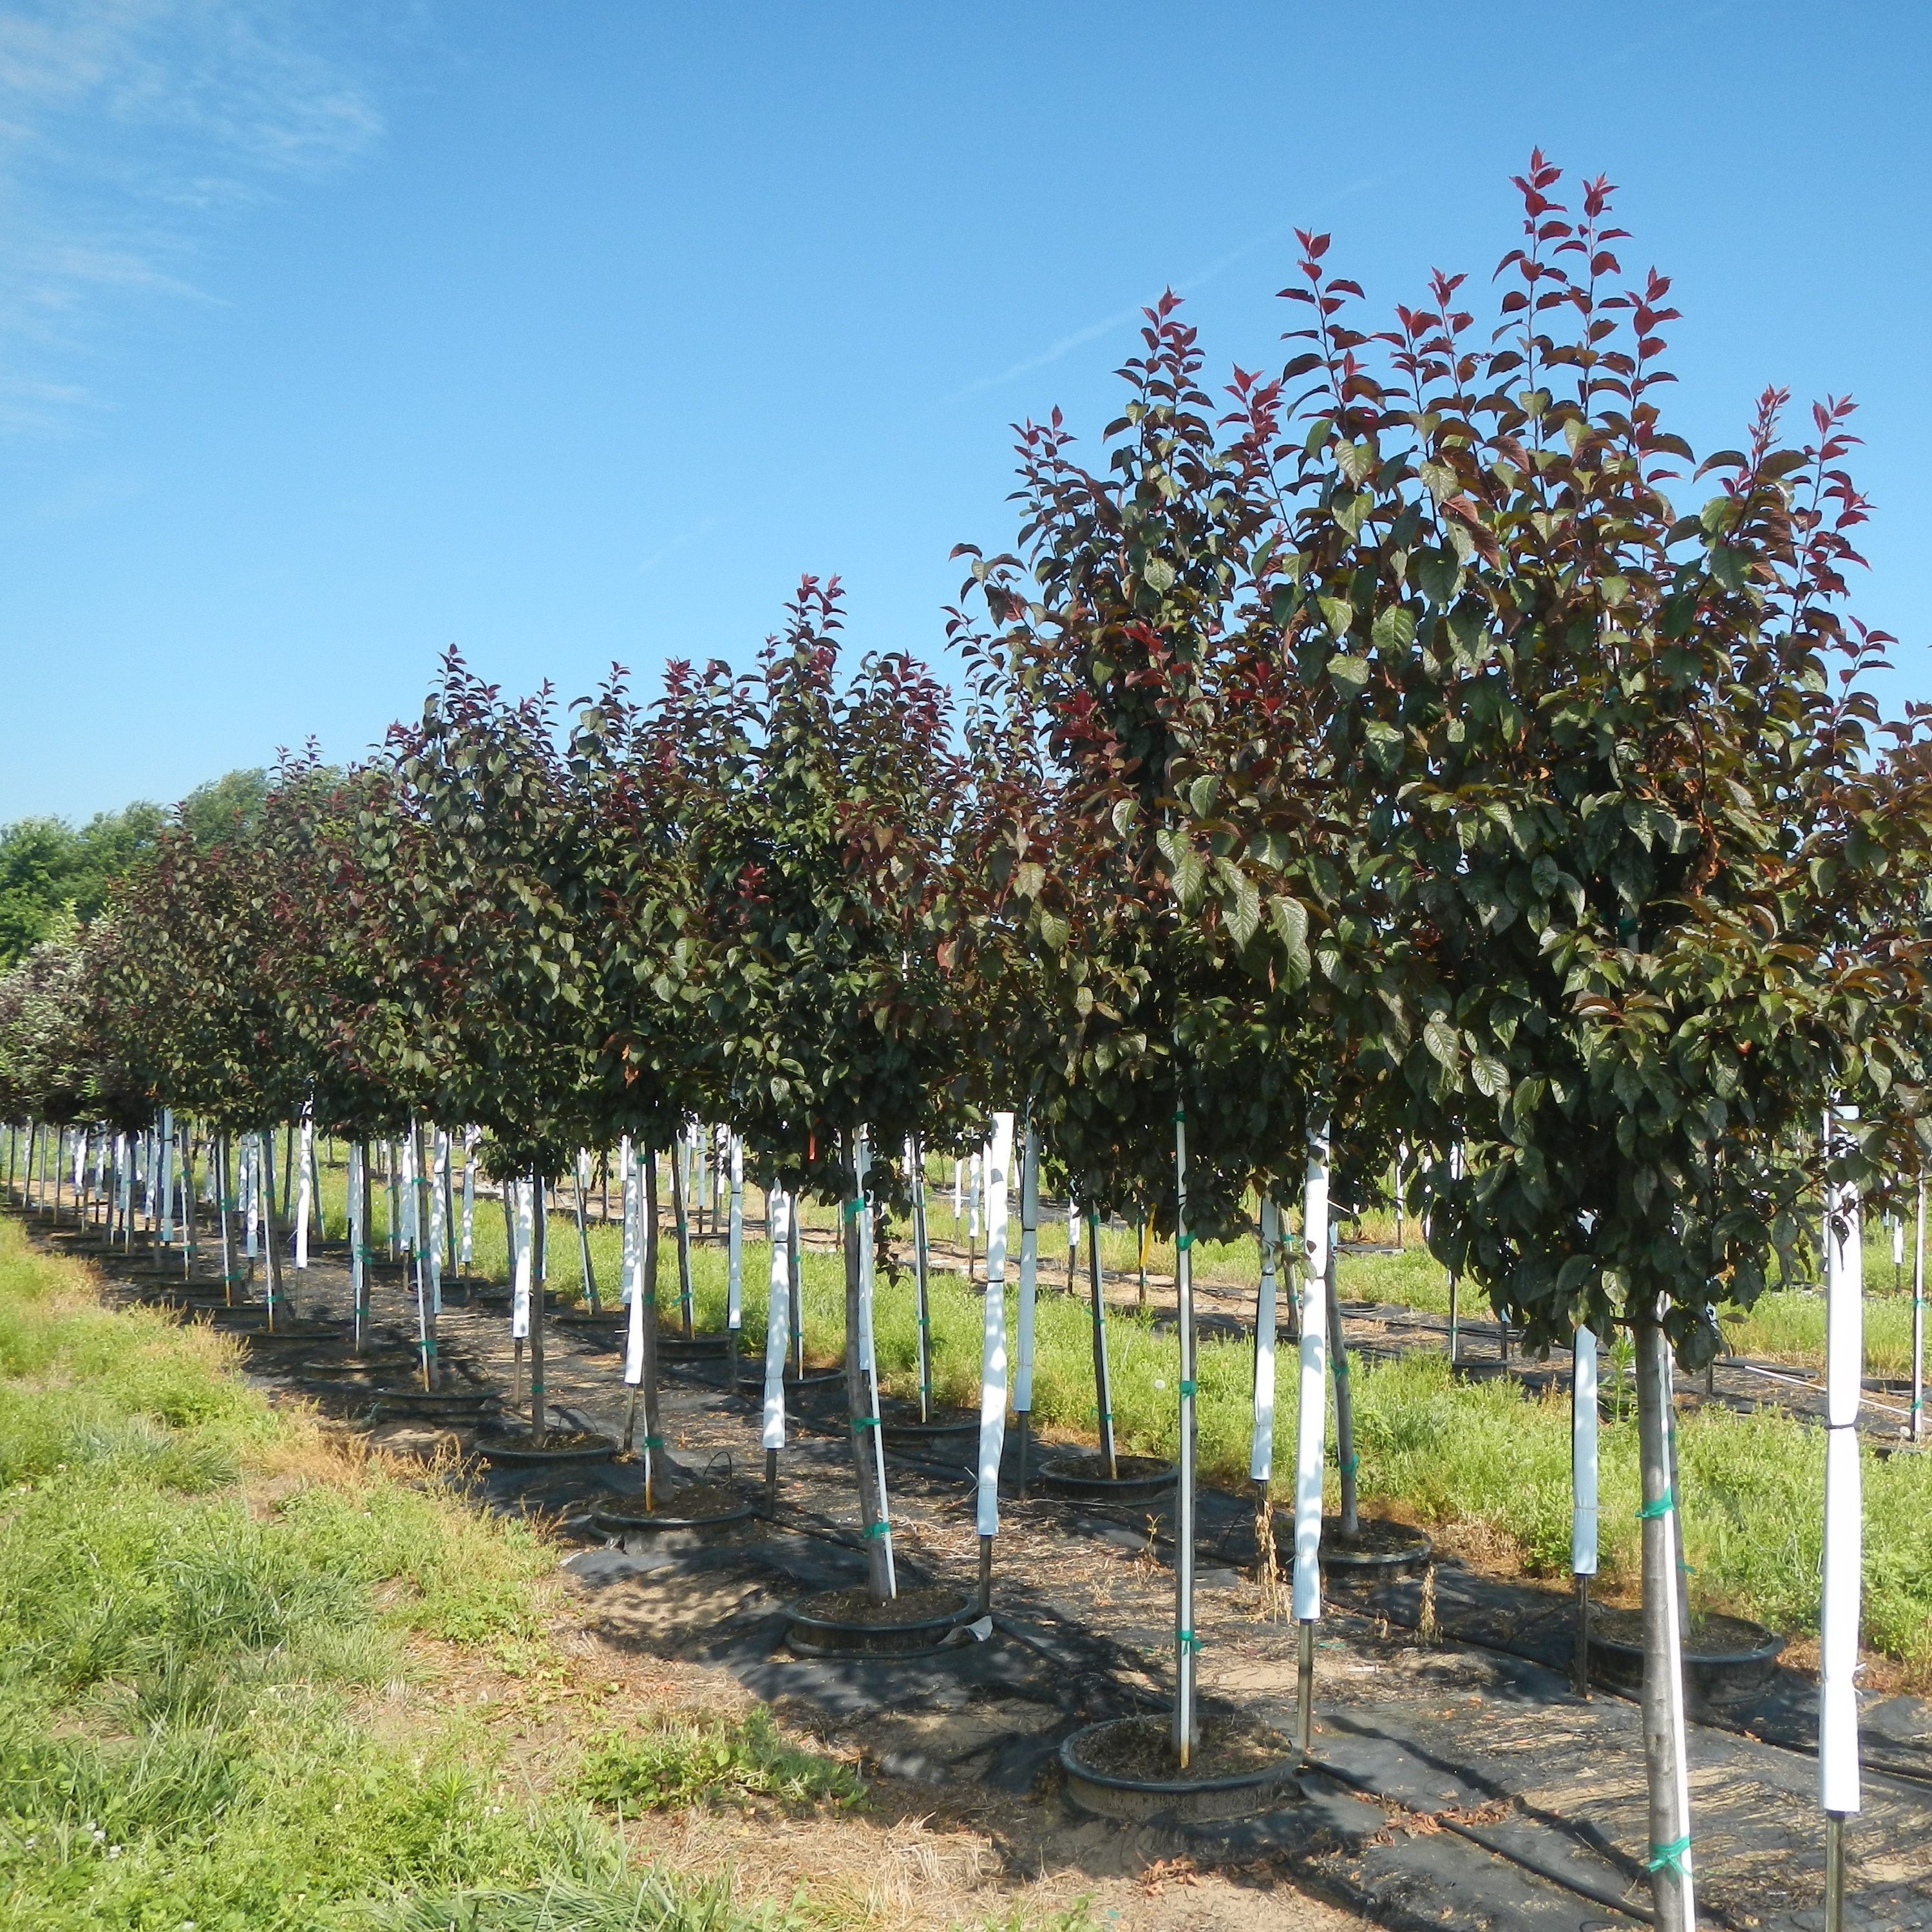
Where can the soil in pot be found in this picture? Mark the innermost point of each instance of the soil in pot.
(856, 1607)
(1142, 1748)
(1723, 1656)
(387, 1363)
(1708, 1639)
(1091, 1467)
(902, 1419)
(696, 1503)
(674, 1345)
(1377, 1544)
(456, 1404)
(558, 1446)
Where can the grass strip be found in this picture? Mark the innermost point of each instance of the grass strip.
(220, 1637)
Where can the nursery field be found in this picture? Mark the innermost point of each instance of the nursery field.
(1479, 1463)
(1369, 790)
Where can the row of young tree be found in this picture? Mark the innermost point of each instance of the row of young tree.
(1374, 756)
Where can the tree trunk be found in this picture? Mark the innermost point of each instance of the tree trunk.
(224, 1197)
(271, 1254)
(919, 1284)
(1664, 1744)
(1345, 1401)
(859, 1405)
(187, 1204)
(794, 1276)
(357, 1203)
(1185, 1642)
(682, 1222)
(583, 1247)
(1103, 1386)
(647, 1336)
(1261, 1435)
(539, 1233)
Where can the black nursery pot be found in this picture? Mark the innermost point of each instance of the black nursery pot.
(1083, 1477)
(693, 1348)
(1173, 1797)
(697, 1510)
(946, 1428)
(559, 1449)
(1378, 1550)
(844, 1623)
(1724, 1657)
(455, 1405)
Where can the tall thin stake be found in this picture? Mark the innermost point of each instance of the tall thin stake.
(1186, 1644)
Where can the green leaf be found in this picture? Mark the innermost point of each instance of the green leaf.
(1394, 629)
(1730, 566)
(1490, 1075)
(1434, 573)
(1338, 613)
(1202, 793)
(1443, 1042)
(1384, 743)
(1242, 910)
(1351, 674)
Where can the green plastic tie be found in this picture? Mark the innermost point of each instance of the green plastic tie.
(1354, 1463)
(1106, 1415)
(1670, 1857)
(1180, 1113)
(1341, 1366)
(429, 1345)
(1663, 1505)
(1188, 1388)
(853, 1209)
(859, 1422)
(1188, 1640)
(1184, 1242)
(653, 1442)
(881, 1527)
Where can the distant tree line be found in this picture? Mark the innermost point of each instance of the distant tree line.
(48, 867)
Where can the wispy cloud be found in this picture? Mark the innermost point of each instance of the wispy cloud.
(682, 541)
(1185, 284)
(129, 130)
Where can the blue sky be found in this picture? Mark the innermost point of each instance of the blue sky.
(334, 332)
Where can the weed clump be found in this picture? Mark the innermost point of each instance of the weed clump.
(676, 1765)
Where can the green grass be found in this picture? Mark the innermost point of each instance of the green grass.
(1786, 1325)
(196, 1598)
(676, 1764)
